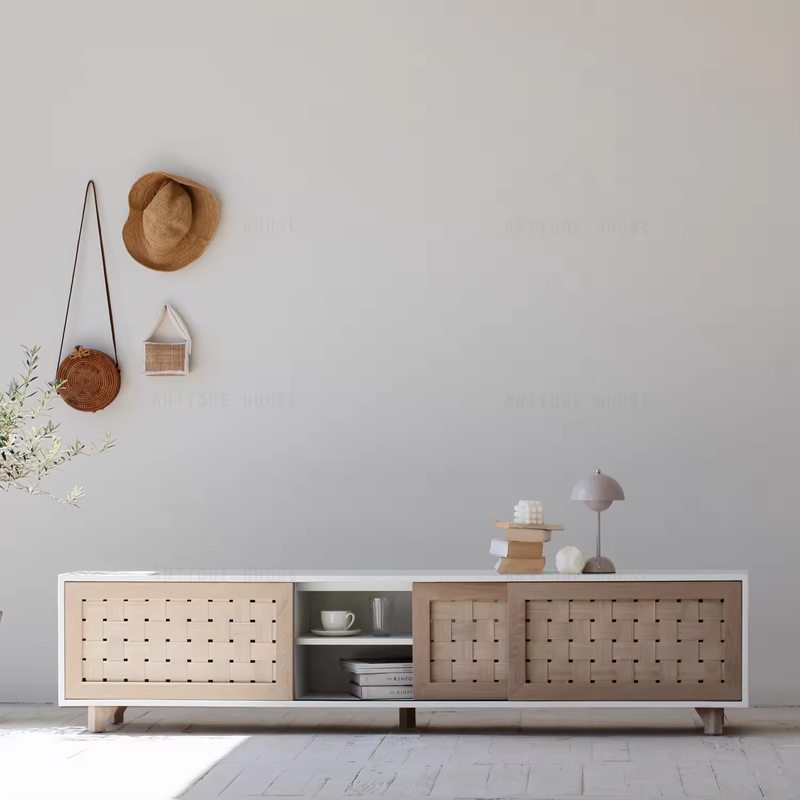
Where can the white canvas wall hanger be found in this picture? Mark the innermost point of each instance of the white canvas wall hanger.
(167, 358)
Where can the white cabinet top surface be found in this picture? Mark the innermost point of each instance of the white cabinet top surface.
(399, 576)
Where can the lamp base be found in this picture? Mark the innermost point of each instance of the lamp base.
(599, 564)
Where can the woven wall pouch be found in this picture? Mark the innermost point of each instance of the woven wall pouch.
(92, 378)
(167, 358)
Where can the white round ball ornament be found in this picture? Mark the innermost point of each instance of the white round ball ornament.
(570, 561)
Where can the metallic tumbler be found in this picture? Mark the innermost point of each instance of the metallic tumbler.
(381, 608)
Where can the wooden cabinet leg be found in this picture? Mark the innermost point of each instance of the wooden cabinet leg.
(408, 719)
(713, 720)
(98, 718)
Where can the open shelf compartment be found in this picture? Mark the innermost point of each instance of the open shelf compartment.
(318, 675)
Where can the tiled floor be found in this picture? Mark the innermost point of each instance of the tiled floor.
(45, 753)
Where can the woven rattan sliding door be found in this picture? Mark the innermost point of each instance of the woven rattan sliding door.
(178, 641)
(617, 641)
(460, 641)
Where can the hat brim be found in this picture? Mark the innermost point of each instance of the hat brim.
(205, 215)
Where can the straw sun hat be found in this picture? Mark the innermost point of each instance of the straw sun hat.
(171, 221)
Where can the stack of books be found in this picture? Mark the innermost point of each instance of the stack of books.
(380, 678)
(521, 552)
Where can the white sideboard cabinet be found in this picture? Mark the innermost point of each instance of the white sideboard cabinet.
(477, 639)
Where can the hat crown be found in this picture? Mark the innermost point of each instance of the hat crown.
(168, 217)
(171, 220)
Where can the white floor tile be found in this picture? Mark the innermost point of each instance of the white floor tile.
(699, 780)
(458, 781)
(414, 780)
(610, 750)
(554, 780)
(507, 780)
(736, 780)
(605, 780)
(372, 781)
(214, 782)
(653, 780)
(252, 781)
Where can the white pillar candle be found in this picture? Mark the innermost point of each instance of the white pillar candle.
(529, 512)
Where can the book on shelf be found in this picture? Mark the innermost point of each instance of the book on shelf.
(404, 678)
(506, 549)
(519, 566)
(382, 692)
(362, 666)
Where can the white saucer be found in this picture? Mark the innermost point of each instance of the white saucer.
(351, 632)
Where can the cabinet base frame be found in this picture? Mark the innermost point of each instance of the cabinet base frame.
(713, 717)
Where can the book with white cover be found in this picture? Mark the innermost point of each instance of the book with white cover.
(506, 549)
(383, 678)
(382, 692)
(372, 665)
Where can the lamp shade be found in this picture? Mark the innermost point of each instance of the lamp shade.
(598, 491)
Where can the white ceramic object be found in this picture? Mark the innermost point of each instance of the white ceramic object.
(348, 632)
(337, 620)
(529, 512)
(570, 561)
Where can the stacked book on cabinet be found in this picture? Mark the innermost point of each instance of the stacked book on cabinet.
(522, 551)
(380, 678)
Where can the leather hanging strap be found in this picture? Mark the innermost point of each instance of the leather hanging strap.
(105, 272)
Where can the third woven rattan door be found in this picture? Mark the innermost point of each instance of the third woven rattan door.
(610, 641)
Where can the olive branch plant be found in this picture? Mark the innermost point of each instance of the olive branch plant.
(28, 454)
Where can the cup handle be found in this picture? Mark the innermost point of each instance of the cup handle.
(351, 617)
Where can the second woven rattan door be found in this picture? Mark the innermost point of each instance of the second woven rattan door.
(460, 641)
(617, 641)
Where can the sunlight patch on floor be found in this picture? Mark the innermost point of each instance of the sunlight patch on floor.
(69, 764)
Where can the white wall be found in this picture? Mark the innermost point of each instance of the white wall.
(432, 214)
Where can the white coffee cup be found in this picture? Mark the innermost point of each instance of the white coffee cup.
(337, 620)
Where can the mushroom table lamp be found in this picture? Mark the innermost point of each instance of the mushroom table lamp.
(598, 492)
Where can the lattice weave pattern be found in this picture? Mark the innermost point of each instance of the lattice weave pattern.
(469, 641)
(179, 640)
(162, 357)
(630, 641)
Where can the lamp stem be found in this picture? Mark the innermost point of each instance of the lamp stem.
(598, 534)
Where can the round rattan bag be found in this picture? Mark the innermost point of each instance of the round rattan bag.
(91, 379)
